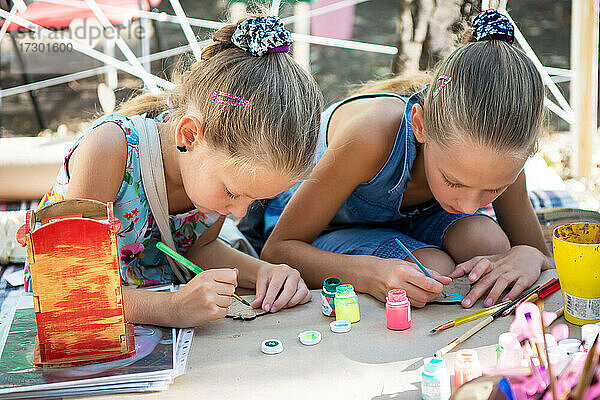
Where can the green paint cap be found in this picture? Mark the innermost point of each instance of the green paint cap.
(331, 283)
(345, 290)
(310, 338)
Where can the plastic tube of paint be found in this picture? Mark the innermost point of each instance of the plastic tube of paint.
(570, 345)
(550, 340)
(510, 353)
(466, 367)
(346, 304)
(435, 379)
(557, 356)
(588, 335)
(328, 295)
(397, 310)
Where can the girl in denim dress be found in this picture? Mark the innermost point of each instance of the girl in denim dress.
(412, 161)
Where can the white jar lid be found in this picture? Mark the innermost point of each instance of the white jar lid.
(589, 333)
(309, 338)
(271, 346)
(341, 326)
(570, 345)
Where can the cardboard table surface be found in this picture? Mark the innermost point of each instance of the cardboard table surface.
(369, 362)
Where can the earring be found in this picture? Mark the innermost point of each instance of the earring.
(181, 149)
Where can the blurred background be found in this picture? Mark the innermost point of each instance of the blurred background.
(352, 41)
(55, 81)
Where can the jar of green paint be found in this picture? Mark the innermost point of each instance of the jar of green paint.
(328, 295)
(346, 304)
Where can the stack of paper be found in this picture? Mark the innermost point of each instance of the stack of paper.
(161, 355)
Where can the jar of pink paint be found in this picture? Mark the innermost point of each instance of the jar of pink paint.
(397, 310)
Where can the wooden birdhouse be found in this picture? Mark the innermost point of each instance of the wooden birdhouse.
(74, 263)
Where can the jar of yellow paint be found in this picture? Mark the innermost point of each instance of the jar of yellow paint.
(346, 304)
(577, 259)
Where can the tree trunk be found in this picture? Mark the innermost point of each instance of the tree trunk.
(428, 30)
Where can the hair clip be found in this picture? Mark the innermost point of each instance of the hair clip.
(445, 80)
(239, 102)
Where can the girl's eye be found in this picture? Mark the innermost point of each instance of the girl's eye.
(452, 185)
(229, 194)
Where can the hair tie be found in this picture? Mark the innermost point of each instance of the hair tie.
(492, 25)
(262, 35)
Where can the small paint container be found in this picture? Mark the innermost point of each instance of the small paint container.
(328, 295)
(435, 379)
(570, 345)
(397, 310)
(466, 367)
(310, 338)
(588, 335)
(346, 304)
(271, 346)
(340, 326)
(510, 353)
(557, 356)
(550, 341)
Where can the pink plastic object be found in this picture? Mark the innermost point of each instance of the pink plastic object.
(529, 328)
(560, 332)
(397, 310)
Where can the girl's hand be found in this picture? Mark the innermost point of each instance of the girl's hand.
(394, 273)
(205, 298)
(519, 267)
(279, 286)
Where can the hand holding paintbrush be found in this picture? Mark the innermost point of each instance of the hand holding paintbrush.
(188, 264)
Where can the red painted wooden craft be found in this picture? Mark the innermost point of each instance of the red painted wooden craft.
(73, 257)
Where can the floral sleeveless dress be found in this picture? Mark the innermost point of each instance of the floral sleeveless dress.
(141, 262)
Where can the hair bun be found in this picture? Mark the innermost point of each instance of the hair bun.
(492, 25)
(262, 35)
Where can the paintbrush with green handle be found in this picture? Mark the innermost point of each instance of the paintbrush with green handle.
(188, 264)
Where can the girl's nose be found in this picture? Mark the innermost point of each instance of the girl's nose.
(469, 204)
(239, 209)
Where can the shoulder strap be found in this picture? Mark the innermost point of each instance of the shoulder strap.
(153, 180)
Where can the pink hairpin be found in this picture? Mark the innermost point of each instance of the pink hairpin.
(445, 80)
(238, 103)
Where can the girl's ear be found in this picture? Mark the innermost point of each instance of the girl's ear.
(416, 121)
(188, 132)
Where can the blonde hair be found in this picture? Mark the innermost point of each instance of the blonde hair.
(495, 97)
(278, 129)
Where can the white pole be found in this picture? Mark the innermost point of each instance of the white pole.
(275, 7)
(88, 51)
(237, 11)
(111, 72)
(301, 50)
(108, 26)
(6, 23)
(326, 9)
(11, 91)
(145, 39)
(584, 85)
(187, 30)
(545, 77)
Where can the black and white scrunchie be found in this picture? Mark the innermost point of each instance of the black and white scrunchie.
(491, 25)
(262, 35)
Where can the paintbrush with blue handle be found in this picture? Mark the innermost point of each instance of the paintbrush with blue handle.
(453, 297)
